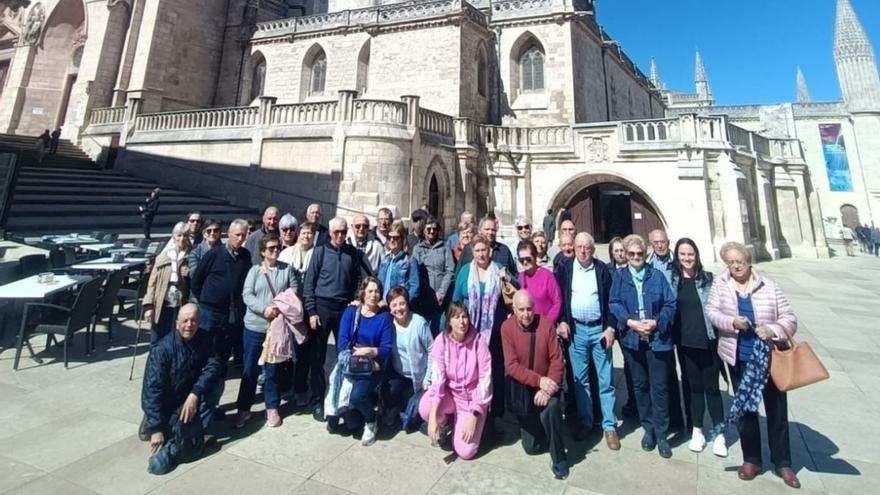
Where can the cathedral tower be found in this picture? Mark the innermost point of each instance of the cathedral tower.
(856, 64)
(702, 80)
(803, 92)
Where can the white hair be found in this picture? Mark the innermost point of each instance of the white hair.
(585, 236)
(339, 222)
(313, 207)
(180, 228)
(238, 223)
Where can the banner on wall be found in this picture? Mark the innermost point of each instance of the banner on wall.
(836, 162)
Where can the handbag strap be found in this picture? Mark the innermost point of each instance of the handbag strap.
(357, 324)
(271, 287)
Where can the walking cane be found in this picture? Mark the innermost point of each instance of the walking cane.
(137, 339)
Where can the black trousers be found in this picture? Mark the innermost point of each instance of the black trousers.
(700, 371)
(650, 374)
(148, 225)
(497, 352)
(543, 431)
(776, 406)
(314, 351)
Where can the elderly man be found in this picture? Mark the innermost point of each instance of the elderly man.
(181, 389)
(589, 326)
(271, 216)
(566, 228)
(372, 251)
(500, 253)
(218, 285)
(384, 219)
(661, 256)
(313, 215)
(329, 285)
(453, 239)
(533, 358)
(566, 251)
(194, 227)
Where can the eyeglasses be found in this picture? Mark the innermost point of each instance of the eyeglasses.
(526, 259)
(273, 247)
(212, 231)
(523, 227)
(360, 225)
(635, 254)
(288, 229)
(736, 263)
(338, 232)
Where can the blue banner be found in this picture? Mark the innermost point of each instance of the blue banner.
(836, 162)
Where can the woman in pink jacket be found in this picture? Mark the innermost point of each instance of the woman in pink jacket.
(746, 306)
(461, 385)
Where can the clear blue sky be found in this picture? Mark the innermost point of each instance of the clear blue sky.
(751, 47)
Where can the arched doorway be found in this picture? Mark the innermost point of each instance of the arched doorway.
(607, 206)
(849, 216)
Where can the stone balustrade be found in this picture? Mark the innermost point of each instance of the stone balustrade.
(739, 137)
(435, 123)
(762, 145)
(509, 138)
(198, 119)
(368, 17)
(650, 131)
(379, 111)
(108, 115)
(304, 113)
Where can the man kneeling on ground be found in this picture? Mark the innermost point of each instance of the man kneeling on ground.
(182, 386)
(533, 359)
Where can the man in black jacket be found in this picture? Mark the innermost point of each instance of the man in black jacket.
(218, 285)
(182, 386)
(500, 253)
(589, 327)
(329, 285)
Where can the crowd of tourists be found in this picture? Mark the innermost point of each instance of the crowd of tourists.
(445, 334)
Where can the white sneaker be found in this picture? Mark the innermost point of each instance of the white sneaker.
(369, 436)
(698, 442)
(719, 446)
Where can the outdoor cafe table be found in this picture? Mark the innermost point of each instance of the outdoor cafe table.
(29, 290)
(69, 240)
(108, 265)
(98, 248)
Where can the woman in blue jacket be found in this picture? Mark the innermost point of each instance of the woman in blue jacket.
(398, 268)
(365, 330)
(644, 306)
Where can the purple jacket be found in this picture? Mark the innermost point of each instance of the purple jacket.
(771, 309)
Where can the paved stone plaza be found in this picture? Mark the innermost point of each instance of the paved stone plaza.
(74, 431)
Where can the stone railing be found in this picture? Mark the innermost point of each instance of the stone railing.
(739, 137)
(650, 131)
(304, 113)
(368, 17)
(380, 111)
(762, 145)
(711, 128)
(108, 115)
(786, 148)
(198, 119)
(503, 137)
(435, 122)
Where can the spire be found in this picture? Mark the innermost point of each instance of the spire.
(702, 79)
(856, 64)
(655, 75)
(803, 92)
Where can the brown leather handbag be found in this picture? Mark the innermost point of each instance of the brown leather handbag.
(796, 366)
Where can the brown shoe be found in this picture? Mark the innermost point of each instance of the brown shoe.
(748, 471)
(788, 476)
(612, 440)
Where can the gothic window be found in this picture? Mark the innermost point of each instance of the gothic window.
(258, 80)
(434, 198)
(532, 69)
(319, 75)
(482, 72)
(363, 68)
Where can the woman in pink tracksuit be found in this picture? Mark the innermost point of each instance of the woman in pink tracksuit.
(461, 385)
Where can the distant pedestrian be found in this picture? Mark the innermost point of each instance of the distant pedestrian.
(42, 145)
(56, 136)
(148, 210)
(848, 236)
(550, 226)
(875, 240)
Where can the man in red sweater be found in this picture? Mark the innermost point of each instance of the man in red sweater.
(533, 358)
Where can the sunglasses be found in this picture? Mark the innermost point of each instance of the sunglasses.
(635, 254)
(212, 231)
(338, 232)
(273, 247)
(288, 229)
(526, 259)
(523, 227)
(360, 226)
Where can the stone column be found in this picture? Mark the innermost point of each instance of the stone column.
(412, 110)
(132, 110)
(767, 211)
(345, 110)
(805, 219)
(17, 80)
(128, 52)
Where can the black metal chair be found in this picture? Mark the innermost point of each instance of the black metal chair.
(70, 257)
(58, 320)
(142, 243)
(33, 264)
(134, 293)
(109, 238)
(106, 304)
(57, 258)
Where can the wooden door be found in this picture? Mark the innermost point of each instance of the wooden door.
(582, 208)
(645, 219)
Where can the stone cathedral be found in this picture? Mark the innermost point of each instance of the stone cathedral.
(506, 106)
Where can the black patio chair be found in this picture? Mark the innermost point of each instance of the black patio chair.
(57, 320)
(106, 304)
(133, 292)
(57, 258)
(33, 264)
(142, 243)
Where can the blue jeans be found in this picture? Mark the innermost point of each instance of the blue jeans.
(363, 401)
(250, 373)
(585, 345)
(650, 373)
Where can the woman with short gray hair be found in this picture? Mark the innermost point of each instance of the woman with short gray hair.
(168, 286)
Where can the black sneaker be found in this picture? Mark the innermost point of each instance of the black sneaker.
(560, 469)
(318, 413)
(664, 449)
(648, 442)
(333, 425)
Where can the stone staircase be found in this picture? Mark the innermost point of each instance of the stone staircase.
(69, 193)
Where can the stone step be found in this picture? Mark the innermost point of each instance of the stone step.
(143, 191)
(109, 223)
(181, 209)
(32, 173)
(58, 199)
(87, 183)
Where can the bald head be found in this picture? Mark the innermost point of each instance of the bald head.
(523, 308)
(271, 216)
(188, 321)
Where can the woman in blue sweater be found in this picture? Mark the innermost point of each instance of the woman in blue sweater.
(365, 331)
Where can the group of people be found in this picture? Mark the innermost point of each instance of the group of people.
(47, 144)
(868, 238)
(446, 334)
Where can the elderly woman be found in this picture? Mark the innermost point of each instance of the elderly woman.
(168, 286)
(539, 282)
(299, 254)
(466, 233)
(408, 375)
(539, 238)
(210, 238)
(398, 268)
(262, 284)
(436, 271)
(456, 404)
(746, 306)
(287, 227)
(365, 330)
(696, 342)
(478, 286)
(644, 306)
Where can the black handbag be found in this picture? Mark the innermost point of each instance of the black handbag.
(358, 366)
(520, 398)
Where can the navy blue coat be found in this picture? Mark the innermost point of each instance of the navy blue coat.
(174, 370)
(219, 279)
(660, 304)
(564, 276)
